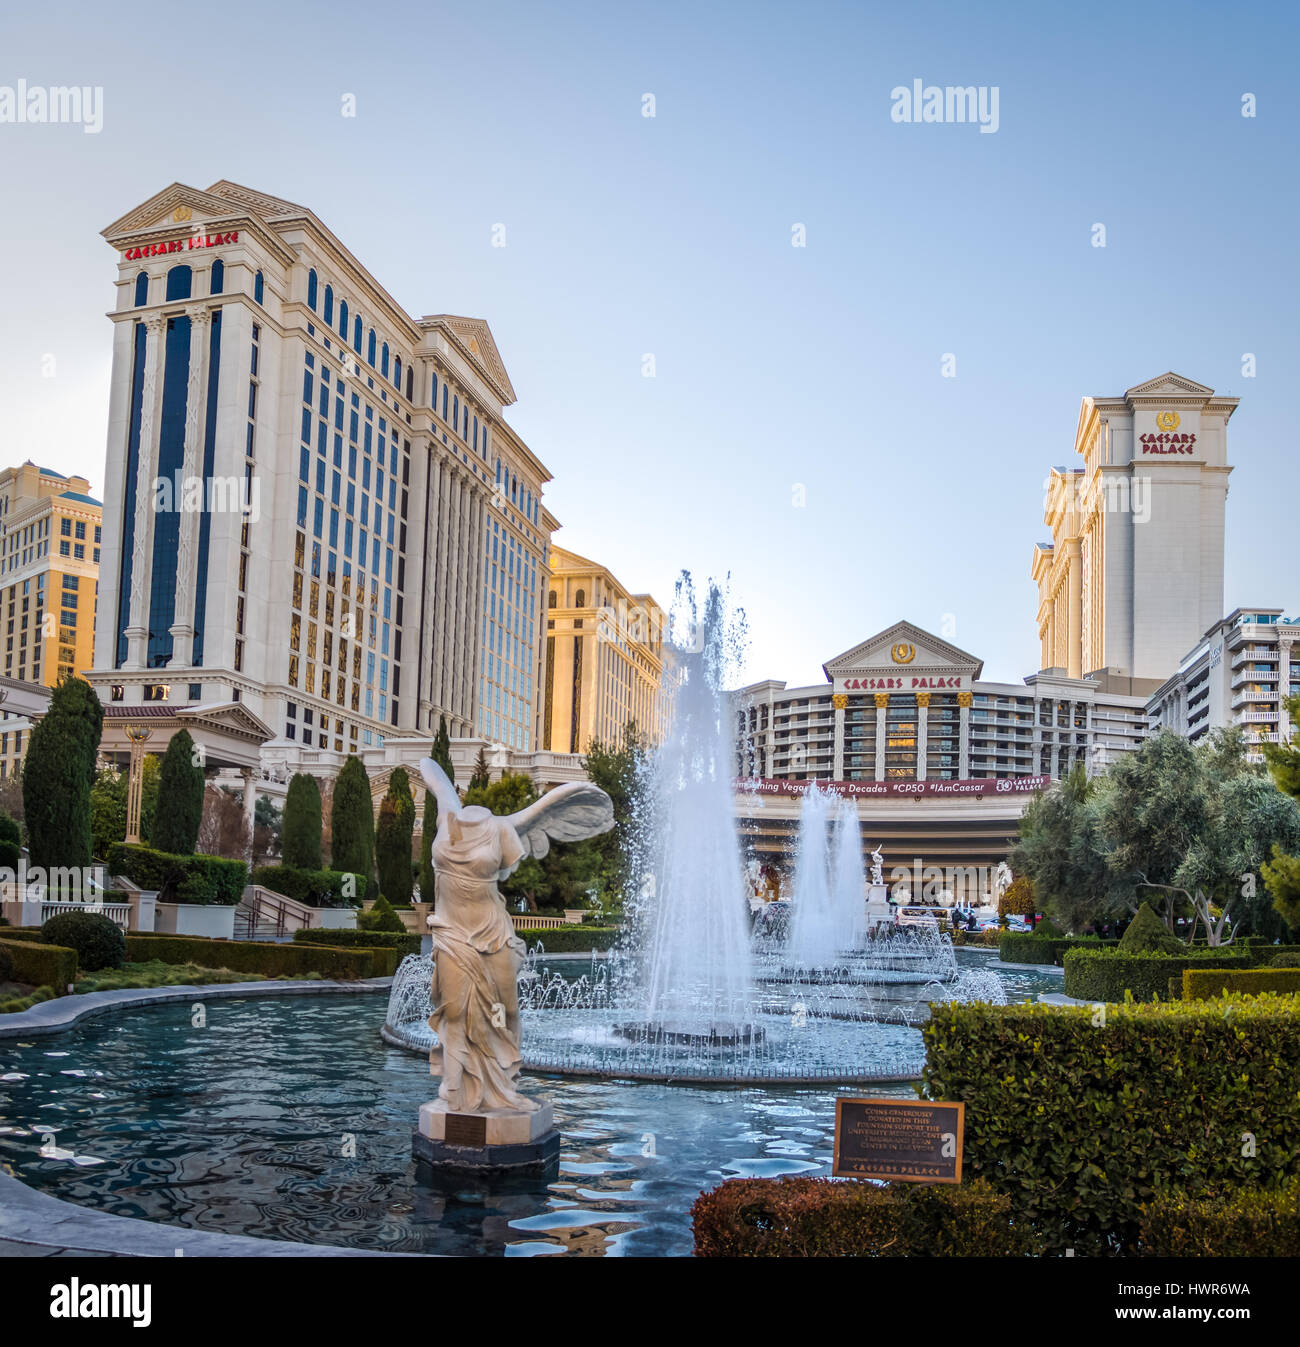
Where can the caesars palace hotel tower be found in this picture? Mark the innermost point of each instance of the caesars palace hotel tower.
(313, 507)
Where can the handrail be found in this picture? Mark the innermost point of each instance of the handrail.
(288, 912)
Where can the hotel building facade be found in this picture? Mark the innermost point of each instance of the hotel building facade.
(315, 511)
(50, 542)
(1134, 572)
(604, 657)
(1239, 673)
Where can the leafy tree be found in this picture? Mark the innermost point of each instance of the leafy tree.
(508, 794)
(1061, 853)
(1282, 873)
(481, 776)
(180, 798)
(441, 754)
(1018, 899)
(58, 772)
(352, 821)
(300, 847)
(619, 770)
(268, 829)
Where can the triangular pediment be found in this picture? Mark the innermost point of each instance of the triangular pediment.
(259, 203)
(903, 648)
(177, 206)
(476, 338)
(233, 716)
(1169, 384)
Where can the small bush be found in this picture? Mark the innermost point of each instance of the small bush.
(823, 1218)
(1147, 934)
(381, 917)
(6, 965)
(1106, 974)
(98, 941)
(570, 939)
(271, 960)
(404, 944)
(1285, 961)
(1239, 1223)
(1200, 985)
(39, 964)
(1017, 947)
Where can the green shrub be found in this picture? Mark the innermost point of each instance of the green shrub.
(352, 820)
(179, 812)
(1199, 985)
(316, 888)
(6, 965)
(381, 917)
(404, 944)
(570, 939)
(10, 830)
(210, 881)
(1285, 961)
(1081, 1116)
(39, 964)
(98, 941)
(823, 1218)
(1017, 947)
(1147, 934)
(1047, 929)
(1106, 974)
(1238, 1223)
(302, 824)
(271, 960)
(10, 855)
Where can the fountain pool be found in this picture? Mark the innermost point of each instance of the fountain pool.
(284, 1119)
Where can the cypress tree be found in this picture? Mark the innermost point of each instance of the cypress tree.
(352, 821)
(58, 772)
(393, 839)
(180, 798)
(300, 845)
(481, 777)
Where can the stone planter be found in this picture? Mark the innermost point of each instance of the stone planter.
(195, 919)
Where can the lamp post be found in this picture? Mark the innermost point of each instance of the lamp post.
(138, 735)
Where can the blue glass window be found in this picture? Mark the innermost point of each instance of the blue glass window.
(397, 371)
(370, 348)
(328, 315)
(217, 281)
(257, 288)
(383, 361)
(356, 334)
(142, 289)
(343, 319)
(311, 289)
(179, 281)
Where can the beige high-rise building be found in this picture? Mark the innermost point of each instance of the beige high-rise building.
(49, 575)
(1134, 572)
(604, 657)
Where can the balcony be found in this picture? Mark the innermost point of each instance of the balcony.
(1254, 676)
(1247, 698)
(1259, 718)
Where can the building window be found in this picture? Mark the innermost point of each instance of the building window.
(142, 289)
(328, 314)
(179, 282)
(311, 289)
(218, 278)
(257, 288)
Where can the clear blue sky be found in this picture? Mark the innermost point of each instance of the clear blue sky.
(775, 366)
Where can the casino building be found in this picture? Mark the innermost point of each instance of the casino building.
(940, 762)
(319, 531)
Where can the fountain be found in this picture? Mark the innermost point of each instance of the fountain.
(691, 995)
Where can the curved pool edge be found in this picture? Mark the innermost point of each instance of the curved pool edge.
(41, 1222)
(51, 1017)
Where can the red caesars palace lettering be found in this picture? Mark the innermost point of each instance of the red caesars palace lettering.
(180, 245)
(1177, 443)
(900, 684)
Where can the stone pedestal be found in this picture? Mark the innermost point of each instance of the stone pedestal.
(505, 1141)
(879, 907)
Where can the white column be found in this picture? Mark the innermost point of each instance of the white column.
(882, 715)
(922, 732)
(839, 700)
(963, 741)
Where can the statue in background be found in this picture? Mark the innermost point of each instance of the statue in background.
(877, 866)
(476, 954)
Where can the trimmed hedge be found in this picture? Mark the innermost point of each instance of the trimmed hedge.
(825, 1218)
(570, 939)
(98, 941)
(317, 888)
(1105, 975)
(1199, 985)
(271, 960)
(1021, 947)
(6, 965)
(205, 880)
(42, 965)
(1239, 1223)
(1081, 1115)
(403, 944)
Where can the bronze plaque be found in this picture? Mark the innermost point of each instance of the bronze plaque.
(465, 1129)
(907, 1140)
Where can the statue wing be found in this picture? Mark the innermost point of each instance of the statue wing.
(435, 779)
(568, 813)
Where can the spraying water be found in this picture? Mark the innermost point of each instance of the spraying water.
(814, 939)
